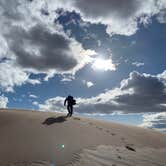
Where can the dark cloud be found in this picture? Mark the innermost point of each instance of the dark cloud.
(121, 16)
(138, 94)
(120, 8)
(148, 93)
(155, 121)
(9, 9)
(41, 49)
(44, 12)
(144, 84)
(101, 108)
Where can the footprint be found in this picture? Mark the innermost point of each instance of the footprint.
(107, 131)
(123, 139)
(119, 157)
(100, 128)
(90, 123)
(97, 127)
(130, 148)
(113, 134)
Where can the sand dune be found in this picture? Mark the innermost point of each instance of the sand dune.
(120, 156)
(32, 138)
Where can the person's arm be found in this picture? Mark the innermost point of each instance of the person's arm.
(65, 101)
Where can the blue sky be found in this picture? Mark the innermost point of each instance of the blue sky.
(110, 58)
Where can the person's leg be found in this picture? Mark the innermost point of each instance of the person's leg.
(68, 109)
(71, 110)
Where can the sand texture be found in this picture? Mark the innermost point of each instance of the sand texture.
(33, 138)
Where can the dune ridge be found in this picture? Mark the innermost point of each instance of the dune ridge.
(33, 138)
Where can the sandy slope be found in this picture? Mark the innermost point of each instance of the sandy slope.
(37, 138)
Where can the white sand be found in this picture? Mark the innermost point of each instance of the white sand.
(26, 141)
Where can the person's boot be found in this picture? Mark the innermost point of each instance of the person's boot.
(68, 115)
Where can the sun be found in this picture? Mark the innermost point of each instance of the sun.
(103, 64)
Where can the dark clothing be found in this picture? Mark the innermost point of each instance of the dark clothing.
(69, 101)
(70, 110)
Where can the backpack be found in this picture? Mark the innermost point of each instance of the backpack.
(73, 102)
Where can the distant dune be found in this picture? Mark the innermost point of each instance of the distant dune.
(32, 138)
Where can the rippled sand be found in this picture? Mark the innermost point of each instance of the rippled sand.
(31, 138)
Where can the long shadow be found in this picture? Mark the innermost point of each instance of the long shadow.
(52, 120)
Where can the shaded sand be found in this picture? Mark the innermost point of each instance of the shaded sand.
(31, 138)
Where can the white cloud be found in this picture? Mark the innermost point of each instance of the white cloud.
(155, 121)
(33, 96)
(35, 103)
(49, 75)
(43, 50)
(33, 81)
(98, 43)
(3, 101)
(162, 77)
(121, 17)
(55, 104)
(137, 94)
(67, 77)
(23, 22)
(162, 17)
(138, 64)
(115, 14)
(88, 83)
(28, 37)
(103, 64)
(11, 75)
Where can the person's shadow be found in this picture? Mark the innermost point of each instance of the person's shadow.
(52, 120)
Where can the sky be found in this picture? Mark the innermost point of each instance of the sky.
(110, 55)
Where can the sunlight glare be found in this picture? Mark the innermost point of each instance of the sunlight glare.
(102, 64)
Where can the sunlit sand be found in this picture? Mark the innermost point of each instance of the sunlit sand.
(33, 138)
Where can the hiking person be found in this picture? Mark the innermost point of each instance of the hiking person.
(70, 102)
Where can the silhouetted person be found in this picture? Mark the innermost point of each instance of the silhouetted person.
(70, 102)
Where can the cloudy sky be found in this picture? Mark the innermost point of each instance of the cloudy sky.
(109, 54)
